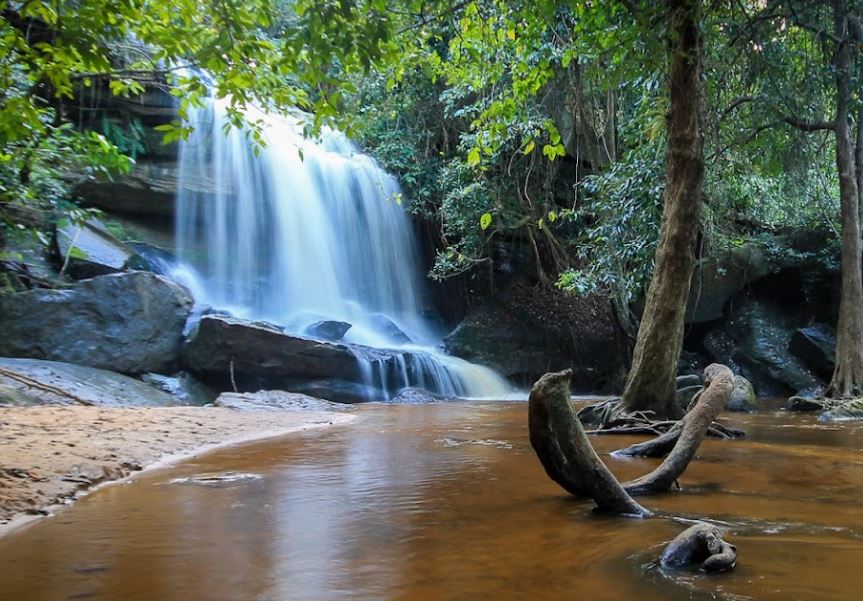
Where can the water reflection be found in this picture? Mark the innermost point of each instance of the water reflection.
(391, 509)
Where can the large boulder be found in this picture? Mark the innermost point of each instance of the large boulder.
(25, 382)
(754, 343)
(523, 333)
(181, 386)
(256, 355)
(127, 322)
(815, 345)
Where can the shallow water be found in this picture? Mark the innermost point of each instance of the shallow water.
(448, 502)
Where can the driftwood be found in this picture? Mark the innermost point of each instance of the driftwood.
(565, 452)
(703, 545)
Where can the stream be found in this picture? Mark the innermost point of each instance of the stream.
(448, 502)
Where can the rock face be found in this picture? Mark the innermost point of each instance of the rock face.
(149, 190)
(754, 342)
(128, 322)
(815, 346)
(274, 400)
(262, 356)
(338, 391)
(386, 326)
(523, 333)
(722, 276)
(35, 382)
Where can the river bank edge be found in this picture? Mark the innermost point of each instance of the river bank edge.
(34, 496)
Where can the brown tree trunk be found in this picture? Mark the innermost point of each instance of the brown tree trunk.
(847, 379)
(650, 385)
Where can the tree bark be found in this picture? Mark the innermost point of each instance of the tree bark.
(650, 385)
(847, 378)
(559, 440)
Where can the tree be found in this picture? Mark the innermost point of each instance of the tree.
(650, 384)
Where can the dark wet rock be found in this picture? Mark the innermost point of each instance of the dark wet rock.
(418, 396)
(688, 380)
(274, 400)
(182, 386)
(742, 397)
(685, 395)
(90, 250)
(802, 403)
(339, 391)
(127, 322)
(815, 346)
(843, 411)
(388, 328)
(754, 342)
(332, 331)
(149, 257)
(25, 382)
(223, 344)
(523, 332)
(701, 546)
(261, 356)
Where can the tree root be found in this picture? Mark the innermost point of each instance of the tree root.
(565, 452)
(700, 544)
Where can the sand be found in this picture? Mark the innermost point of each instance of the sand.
(50, 455)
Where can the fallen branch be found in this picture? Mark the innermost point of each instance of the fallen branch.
(40, 386)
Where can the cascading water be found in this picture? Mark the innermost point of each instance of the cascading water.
(306, 232)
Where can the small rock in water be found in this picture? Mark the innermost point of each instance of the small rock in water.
(742, 397)
(216, 480)
(331, 331)
(802, 403)
(700, 545)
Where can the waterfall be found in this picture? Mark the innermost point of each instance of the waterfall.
(300, 231)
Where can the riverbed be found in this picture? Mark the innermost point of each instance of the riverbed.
(448, 502)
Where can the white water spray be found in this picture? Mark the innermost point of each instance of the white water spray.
(311, 231)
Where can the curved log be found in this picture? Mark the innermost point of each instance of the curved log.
(719, 384)
(700, 544)
(559, 440)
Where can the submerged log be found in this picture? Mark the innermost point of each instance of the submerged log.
(701, 544)
(565, 452)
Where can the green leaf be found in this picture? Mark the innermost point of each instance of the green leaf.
(485, 221)
(530, 146)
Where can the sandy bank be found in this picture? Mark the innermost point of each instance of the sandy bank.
(50, 454)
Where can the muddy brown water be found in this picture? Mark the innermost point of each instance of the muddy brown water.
(448, 502)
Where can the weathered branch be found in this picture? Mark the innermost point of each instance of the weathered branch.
(804, 125)
(565, 452)
(719, 384)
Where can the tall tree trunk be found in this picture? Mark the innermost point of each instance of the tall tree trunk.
(848, 377)
(650, 385)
